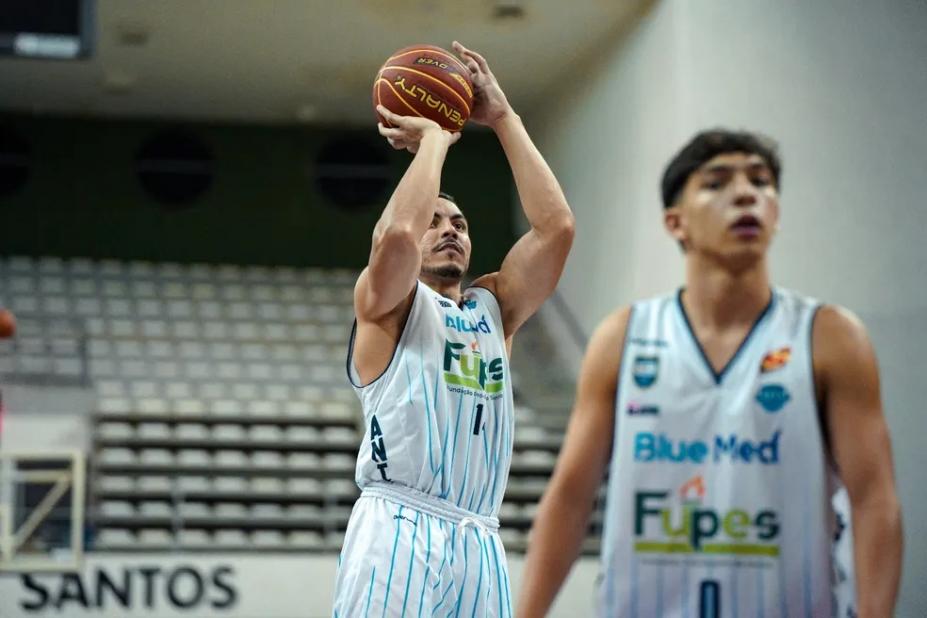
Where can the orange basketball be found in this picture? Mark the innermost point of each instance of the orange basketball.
(427, 81)
(7, 324)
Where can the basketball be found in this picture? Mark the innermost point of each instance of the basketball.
(427, 81)
(7, 324)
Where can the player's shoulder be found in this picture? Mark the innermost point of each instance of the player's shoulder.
(836, 327)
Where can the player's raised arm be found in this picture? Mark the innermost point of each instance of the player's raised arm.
(533, 266)
(395, 256)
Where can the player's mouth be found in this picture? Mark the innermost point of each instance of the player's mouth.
(450, 244)
(747, 226)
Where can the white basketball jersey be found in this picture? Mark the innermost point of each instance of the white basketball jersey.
(440, 418)
(720, 486)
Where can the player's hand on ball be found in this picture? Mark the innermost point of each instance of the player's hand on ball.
(489, 102)
(408, 131)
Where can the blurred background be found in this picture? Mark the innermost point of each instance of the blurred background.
(187, 193)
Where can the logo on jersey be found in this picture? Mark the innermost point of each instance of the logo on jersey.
(681, 523)
(773, 397)
(469, 303)
(777, 359)
(660, 448)
(471, 370)
(637, 409)
(463, 325)
(652, 343)
(445, 303)
(645, 371)
(378, 447)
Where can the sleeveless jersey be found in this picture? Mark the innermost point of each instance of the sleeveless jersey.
(720, 485)
(440, 418)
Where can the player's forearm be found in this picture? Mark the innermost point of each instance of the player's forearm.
(411, 207)
(541, 197)
(877, 545)
(556, 539)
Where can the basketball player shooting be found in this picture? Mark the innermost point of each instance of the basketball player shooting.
(429, 362)
(730, 412)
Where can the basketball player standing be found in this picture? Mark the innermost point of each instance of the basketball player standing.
(429, 362)
(731, 412)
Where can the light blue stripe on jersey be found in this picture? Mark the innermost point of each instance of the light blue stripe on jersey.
(428, 415)
(485, 485)
(392, 562)
(463, 583)
(761, 606)
(450, 469)
(463, 481)
(479, 580)
(495, 557)
(370, 591)
(405, 597)
(421, 597)
(806, 557)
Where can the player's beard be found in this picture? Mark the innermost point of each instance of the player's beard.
(451, 272)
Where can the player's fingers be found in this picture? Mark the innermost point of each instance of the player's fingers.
(397, 144)
(393, 133)
(390, 116)
(455, 137)
(472, 55)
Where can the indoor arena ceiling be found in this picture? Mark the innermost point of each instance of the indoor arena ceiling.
(311, 61)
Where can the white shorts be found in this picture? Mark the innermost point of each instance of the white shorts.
(409, 554)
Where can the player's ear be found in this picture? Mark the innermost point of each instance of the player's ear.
(674, 223)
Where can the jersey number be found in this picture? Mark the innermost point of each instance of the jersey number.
(479, 418)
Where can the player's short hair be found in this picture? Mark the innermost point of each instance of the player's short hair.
(709, 144)
(447, 196)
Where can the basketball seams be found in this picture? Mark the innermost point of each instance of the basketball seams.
(431, 77)
(399, 97)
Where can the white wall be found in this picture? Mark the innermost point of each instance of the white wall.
(841, 86)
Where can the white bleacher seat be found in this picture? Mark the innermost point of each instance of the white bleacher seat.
(192, 431)
(117, 308)
(226, 406)
(230, 484)
(140, 268)
(222, 350)
(240, 311)
(152, 405)
(270, 311)
(230, 539)
(509, 509)
(192, 349)
(115, 537)
(189, 407)
(245, 331)
(160, 349)
(114, 289)
(334, 540)
(102, 368)
(171, 270)
(145, 289)
(97, 348)
(228, 510)
(264, 408)
(151, 508)
(299, 313)
(208, 310)
(185, 330)
(337, 410)
(268, 485)
(325, 374)
(265, 433)
(166, 370)
(284, 352)
(338, 461)
(24, 304)
(304, 512)
(115, 431)
(304, 539)
(144, 388)
(128, 349)
(302, 434)
(259, 371)
(154, 538)
(189, 484)
(134, 369)
(309, 393)
(529, 432)
(253, 351)
(117, 456)
(203, 291)
(156, 457)
(267, 538)
(305, 486)
(329, 313)
(230, 459)
(268, 511)
(22, 284)
(86, 307)
(290, 371)
(340, 488)
(96, 327)
(193, 457)
(194, 538)
(178, 390)
(175, 289)
(267, 459)
(180, 309)
(80, 266)
(117, 508)
(228, 371)
(116, 483)
(318, 353)
(154, 328)
(303, 461)
(536, 458)
(228, 432)
(276, 332)
(244, 390)
(154, 483)
(337, 513)
(511, 536)
(51, 286)
(298, 408)
(194, 510)
(149, 308)
(339, 435)
(211, 390)
(305, 332)
(530, 510)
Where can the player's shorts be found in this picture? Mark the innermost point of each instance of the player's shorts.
(407, 553)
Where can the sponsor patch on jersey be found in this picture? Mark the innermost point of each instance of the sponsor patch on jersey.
(681, 523)
(460, 324)
(646, 370)
(639, 409)
(773, 397)
(445, 303)
(777, 359)
(730, 448)
(469, 303)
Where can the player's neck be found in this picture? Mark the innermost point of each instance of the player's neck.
(448, 288)
(717, 297)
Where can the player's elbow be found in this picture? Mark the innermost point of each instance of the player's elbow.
(395, 239)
